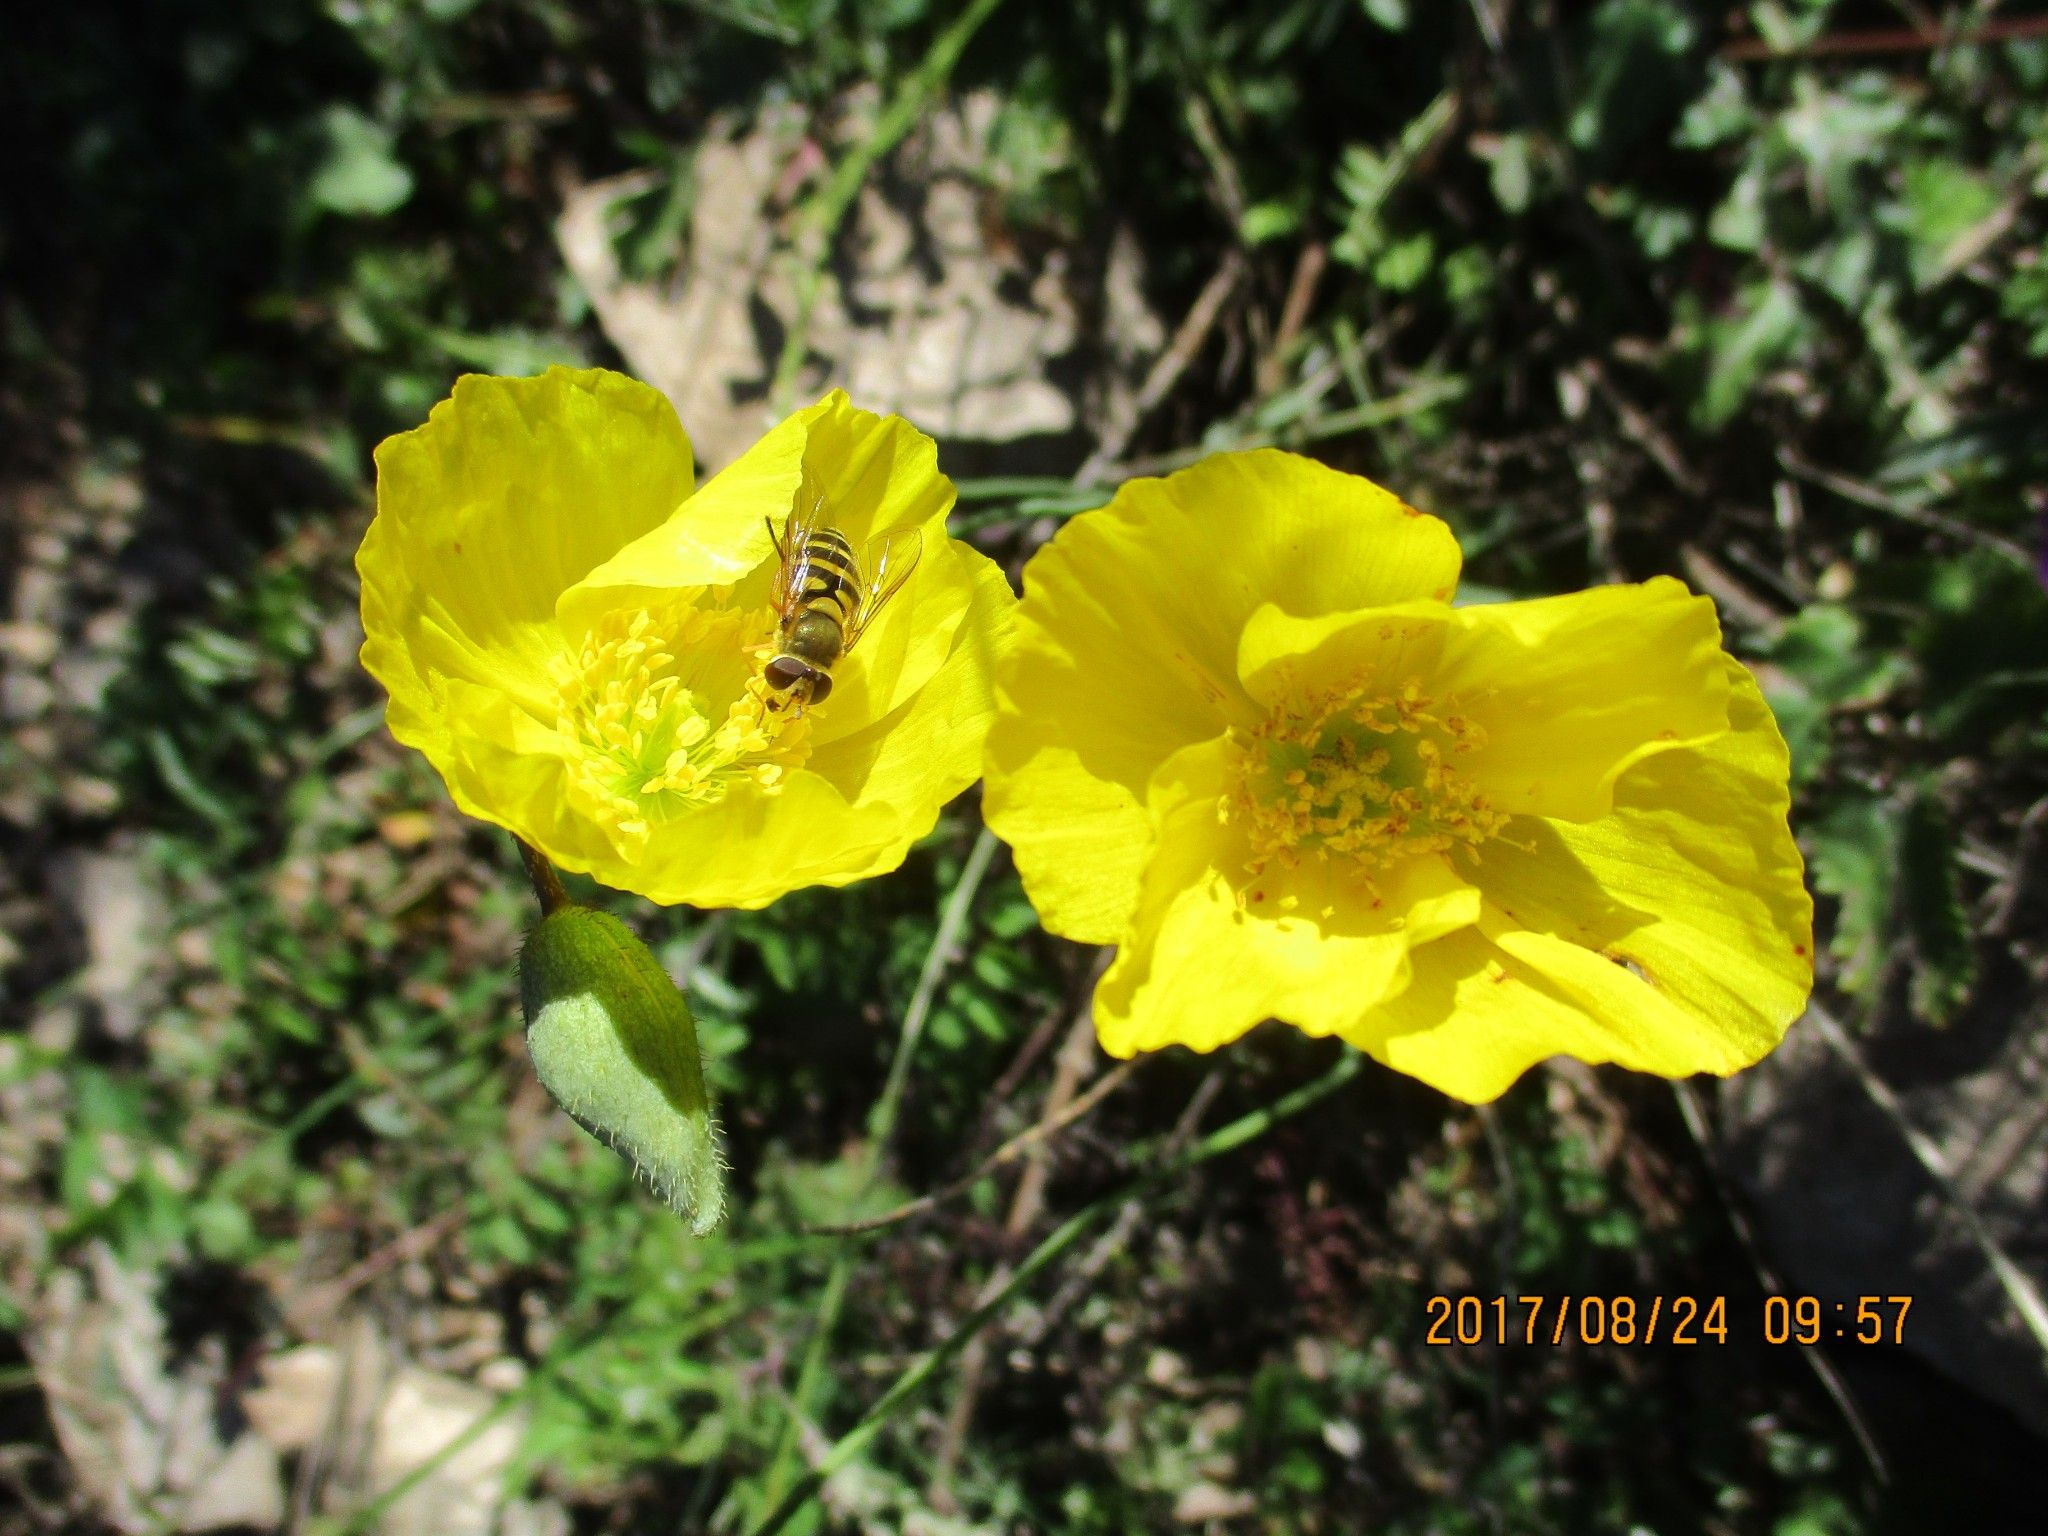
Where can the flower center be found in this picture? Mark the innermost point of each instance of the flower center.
(669, 710)
(1363, 777)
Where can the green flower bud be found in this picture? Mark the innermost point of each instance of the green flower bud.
(612, 1038)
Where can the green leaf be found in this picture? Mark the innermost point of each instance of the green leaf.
(1721, 113)
(1633, 75)
(1946, 205)
(1854, 853)
(2024, 301)
(1512, 172)
(1366, 178)
(1274, 219)
(359, 176)
(1737, 222)
(1944, 955)
(222, 1229)
(1821, 660)
(1402, 266)
(1823, 646)
(1745, 348)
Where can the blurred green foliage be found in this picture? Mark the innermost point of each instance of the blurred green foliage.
(1612, 293)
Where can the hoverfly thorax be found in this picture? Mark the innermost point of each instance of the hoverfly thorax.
(825, 597)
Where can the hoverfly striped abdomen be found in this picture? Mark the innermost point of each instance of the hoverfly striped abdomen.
(825, 596)
(831, 575)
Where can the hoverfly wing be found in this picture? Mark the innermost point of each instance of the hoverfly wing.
(794, 552)
(885, 565)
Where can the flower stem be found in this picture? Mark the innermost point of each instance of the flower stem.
(937, 961)
(547, 885)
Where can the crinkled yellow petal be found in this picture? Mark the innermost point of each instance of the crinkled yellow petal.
(514, 489)
(1199, 966)
(1268, 526)
(1093, 697)
(509, 769)
(1487, 1003)
(1127, 650)
(929, 748)
(1694, 882)
(868, 475)
(1472, 1019)
(1673, 936)
(752, 847)
(875, 474)
(1378, 649)
(1571, 691)
(715, 538)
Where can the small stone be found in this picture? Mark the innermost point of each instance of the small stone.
(1344, 1438)
(406, 829)
(33, 645)
(1204, 1502)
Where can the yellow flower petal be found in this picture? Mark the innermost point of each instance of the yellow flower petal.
(1203, 961)
(753, 847)
(1127, 650)
(929, 747)
(719, 536)
(510, 770)
(870, 474)
(514, 489)
(1694, 883)
(1487, 1003)
(1471, 1020)
(1376, 649)
(1570, 691)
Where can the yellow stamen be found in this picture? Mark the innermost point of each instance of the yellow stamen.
(669, 711)
(1364, 778)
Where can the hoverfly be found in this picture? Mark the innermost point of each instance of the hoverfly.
(825, 598)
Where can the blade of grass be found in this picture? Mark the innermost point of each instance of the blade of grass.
(881, 1125)
(907, 1386)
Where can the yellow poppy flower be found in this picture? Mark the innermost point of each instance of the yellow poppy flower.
(1245, 737)
(575, 637)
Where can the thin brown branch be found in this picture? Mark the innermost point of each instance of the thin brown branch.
(1865, 495)
(1693, 1110)
(1301, 295)
(1069, 1067)
(1889, 40)
(315, 1309)
(1118, 1237)
(1187, 341)
(1007, 1153)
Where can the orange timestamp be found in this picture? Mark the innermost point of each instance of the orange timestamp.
(1680, 1320)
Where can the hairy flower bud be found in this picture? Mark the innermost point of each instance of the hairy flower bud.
(612, 1038)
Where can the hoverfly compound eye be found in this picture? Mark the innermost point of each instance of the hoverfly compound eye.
(821, 685)
(784, 672)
